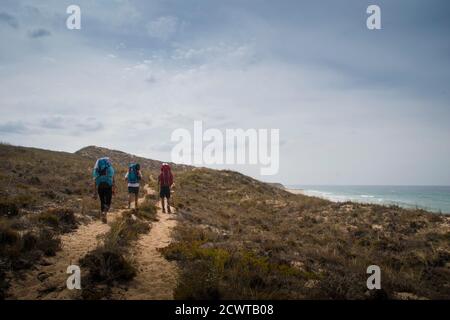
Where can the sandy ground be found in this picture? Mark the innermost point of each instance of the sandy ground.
(48, 280)
(295, 191)
(156, 278)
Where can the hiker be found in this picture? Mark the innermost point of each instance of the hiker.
(165, 182)
(104, 184)
(133, 176)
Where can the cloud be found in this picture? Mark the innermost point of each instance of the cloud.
(89, 126)
(69, 125)
(319, 76)
(39, 33)
(52, 123)
(13, 127)
(163, 27)
(163, 147)
(9, 20)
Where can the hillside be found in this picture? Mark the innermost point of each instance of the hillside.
(123, 159)
(244, 239)
(43, 195)
(235, 238)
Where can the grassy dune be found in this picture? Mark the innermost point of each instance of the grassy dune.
(240, 238)
(42, 195)
(236, 237)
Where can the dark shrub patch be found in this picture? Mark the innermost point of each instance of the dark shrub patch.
(48, 242)
(60, 219)
(107, 266)
(8, 208)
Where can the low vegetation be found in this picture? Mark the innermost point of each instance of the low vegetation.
(42, 195)
(21, 249)
(111, 263)
(243, 239)
(236, 237)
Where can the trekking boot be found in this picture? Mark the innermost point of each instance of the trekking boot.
(104, 220)
(164, 210)
(169, 211)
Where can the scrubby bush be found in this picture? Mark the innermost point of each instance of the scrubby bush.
(8, 208)
(61, 219)
(303, 247)
(111, 262)
(20, 251)
(8, 236)
(48, 242)
(107, 266)
(147, 210)
(217, 273)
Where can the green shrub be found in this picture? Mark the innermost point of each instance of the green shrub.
(217, 273)
(123, 231)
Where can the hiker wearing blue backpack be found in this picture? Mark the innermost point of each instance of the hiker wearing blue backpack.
(104, 184)
(133, 177)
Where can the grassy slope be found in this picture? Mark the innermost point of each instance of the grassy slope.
(238, 238)
(244, 239)
(122, 159)
(42, 194)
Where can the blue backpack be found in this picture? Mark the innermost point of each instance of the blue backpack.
(102, 166)
(133, 173)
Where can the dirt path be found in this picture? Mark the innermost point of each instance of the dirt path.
(48, 281)
(156, 278)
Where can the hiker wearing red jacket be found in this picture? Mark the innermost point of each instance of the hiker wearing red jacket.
(165, 182)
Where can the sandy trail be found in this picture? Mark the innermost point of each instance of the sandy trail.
(157, 277)
(48, 280)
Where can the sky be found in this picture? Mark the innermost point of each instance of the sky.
(353, 106)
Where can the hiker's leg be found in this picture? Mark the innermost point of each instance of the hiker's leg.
(103, 208)
(168, 205)
(168, 199)
(136, 200)
(102, 199)
(129, 199)
(161, 195)
(108, 199)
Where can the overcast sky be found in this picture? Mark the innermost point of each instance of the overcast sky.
(353, 106)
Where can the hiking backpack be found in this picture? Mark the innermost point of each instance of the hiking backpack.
(133, 173)
(166, 176)
(102, 166)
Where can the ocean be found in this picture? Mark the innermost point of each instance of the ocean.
(431, 198)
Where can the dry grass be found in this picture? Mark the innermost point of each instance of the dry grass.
(43, 194)
(322, 248)
(237, 237)
(20, 250)
(111, 263)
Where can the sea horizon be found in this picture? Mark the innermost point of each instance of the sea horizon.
(433, 198)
